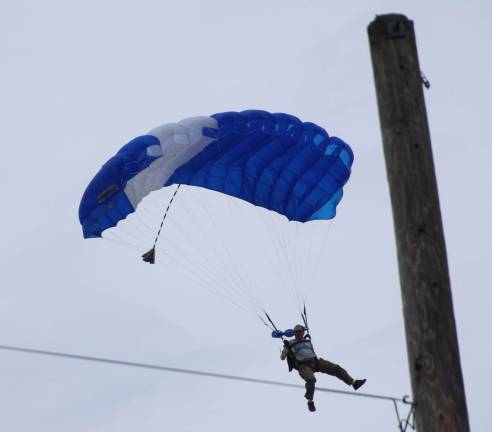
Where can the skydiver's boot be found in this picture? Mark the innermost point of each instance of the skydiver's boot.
(311, 406)
(358, 383)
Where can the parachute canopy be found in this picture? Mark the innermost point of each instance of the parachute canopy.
(273, 161)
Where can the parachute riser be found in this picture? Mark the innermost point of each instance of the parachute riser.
(291, 358)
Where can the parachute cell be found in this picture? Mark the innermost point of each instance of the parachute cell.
(273, 161)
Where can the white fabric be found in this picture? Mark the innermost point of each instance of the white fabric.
(179, 143)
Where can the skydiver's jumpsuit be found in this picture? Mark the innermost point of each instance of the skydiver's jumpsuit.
(308, 363)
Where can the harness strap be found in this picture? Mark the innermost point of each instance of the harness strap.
(292, 351)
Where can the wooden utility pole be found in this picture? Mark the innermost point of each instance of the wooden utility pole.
(432, 343)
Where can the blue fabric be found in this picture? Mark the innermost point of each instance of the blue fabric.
(289, 333)
(279, 334)
(274, 161)
(270, 160)
(96, 215)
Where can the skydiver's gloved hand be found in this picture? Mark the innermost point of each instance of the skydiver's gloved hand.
(286, 344)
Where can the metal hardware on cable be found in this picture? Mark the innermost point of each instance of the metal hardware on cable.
(409, 421)
(425, 81)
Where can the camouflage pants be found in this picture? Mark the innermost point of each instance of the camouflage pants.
(308, 368)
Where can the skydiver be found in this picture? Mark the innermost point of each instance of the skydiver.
(299, 351)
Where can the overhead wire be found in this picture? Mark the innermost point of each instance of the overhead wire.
(191, 372)
(403, 423)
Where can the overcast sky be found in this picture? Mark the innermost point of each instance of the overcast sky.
(81, 78)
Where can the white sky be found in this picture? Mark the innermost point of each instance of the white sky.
(81, 78)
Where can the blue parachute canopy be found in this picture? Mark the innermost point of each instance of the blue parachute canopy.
(270, 160)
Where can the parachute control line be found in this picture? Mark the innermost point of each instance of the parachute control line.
(150, 255)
